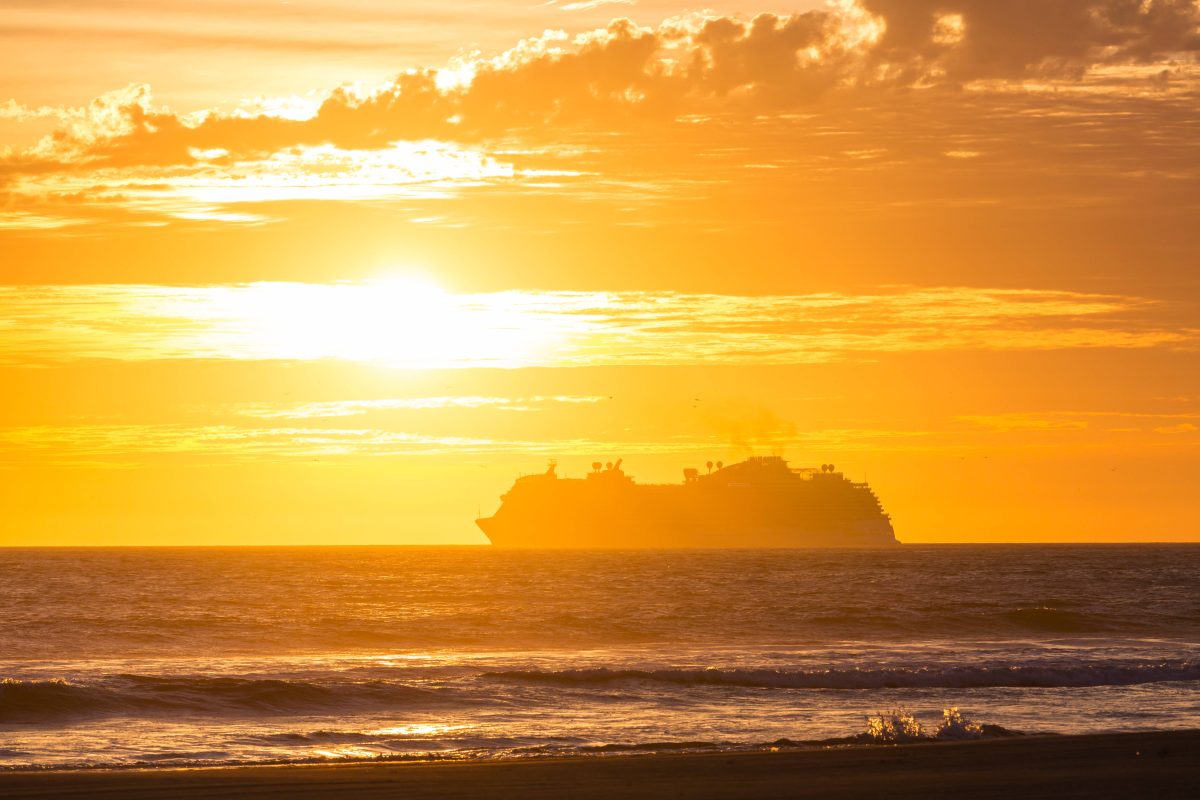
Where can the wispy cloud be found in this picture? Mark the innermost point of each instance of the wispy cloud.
(354, 408)
(1026, 422)
(400, 325)
(126, 446)
(588, 5)
(213, 185)
(1081, 420)
(1182, 427)
(26, 220)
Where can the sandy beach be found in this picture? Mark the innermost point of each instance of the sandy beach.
(1159, 765)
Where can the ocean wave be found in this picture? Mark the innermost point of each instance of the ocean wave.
(465, 749)
(189, 756)
(385, 741)
(291, 738)
(650, 747)
(1053, 620)
(1034, 675)
(35, 701)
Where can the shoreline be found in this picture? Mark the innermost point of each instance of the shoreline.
(1162, 764)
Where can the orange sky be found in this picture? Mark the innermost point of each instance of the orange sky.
(308, 272)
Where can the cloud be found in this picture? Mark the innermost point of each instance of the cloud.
(215, 183)
(354, 408)
(625, 75)
(87, 444)
(25, 220)
(971, 39)
(906, 103)
(127, 446)
(1183, 427)
(399, 326)
(1025, 422)
(11, 109)
(1130, 421)
(605, 79)
(588, 5)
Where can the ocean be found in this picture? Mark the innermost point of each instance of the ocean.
(190, 656)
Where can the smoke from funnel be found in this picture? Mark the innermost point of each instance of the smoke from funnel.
(751, 430)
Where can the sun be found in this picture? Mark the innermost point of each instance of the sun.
(396, 320)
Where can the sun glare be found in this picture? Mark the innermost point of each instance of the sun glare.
(397, 321)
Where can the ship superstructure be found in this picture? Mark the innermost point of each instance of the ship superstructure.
(759, 502)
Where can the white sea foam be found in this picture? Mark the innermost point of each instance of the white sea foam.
(956, 727)
(900, 726)
(897, 726)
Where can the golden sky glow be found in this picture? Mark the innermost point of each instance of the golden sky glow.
(311, 272)
(411, 324)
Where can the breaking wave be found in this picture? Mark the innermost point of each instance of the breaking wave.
(1041, 675)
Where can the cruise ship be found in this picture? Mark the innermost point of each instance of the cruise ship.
(759, 502)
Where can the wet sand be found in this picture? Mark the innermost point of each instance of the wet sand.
(1158, 765)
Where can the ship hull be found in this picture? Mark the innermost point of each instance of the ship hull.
(753, 538)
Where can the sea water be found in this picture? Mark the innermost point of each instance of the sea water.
(213, 656)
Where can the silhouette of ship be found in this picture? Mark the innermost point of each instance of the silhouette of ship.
(759, 502)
